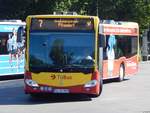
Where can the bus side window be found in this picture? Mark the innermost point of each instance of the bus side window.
(3, 45)
(102, 43)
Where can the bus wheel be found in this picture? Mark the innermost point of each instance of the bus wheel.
(100, 90)
(121, 73)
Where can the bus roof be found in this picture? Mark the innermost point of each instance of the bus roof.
(12, 22)
(119, 23)
(61, 16)
(9, 25)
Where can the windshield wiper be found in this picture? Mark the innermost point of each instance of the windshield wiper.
(65, 68)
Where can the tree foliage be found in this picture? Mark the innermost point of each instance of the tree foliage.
(124, 10)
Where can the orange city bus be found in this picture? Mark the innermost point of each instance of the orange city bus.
(62, 55)
(120, 48)
(74, 53)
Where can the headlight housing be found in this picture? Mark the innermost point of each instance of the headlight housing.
(91, 83)
(31, 83)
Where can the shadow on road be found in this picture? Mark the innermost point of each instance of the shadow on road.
(114, 80)
(11, 77)
(59, 98)
(16, 96)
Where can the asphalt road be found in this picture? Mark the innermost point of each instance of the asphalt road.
(129, 96)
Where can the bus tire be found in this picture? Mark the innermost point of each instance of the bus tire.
(121, 73)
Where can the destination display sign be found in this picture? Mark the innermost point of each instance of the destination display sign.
(62, 24)
(119, 30)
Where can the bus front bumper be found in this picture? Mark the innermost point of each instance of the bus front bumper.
(89, 88)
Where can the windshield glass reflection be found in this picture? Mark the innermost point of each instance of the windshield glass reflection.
(52, 51)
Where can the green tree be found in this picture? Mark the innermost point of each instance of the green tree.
(124, 10)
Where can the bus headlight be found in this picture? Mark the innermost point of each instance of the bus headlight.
(91, 83)
(31, 83)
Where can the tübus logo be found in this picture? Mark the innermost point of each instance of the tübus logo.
(60, 77)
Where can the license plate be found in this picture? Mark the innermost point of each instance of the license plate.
(61, 91)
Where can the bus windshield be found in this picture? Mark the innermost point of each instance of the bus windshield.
(61, 51)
